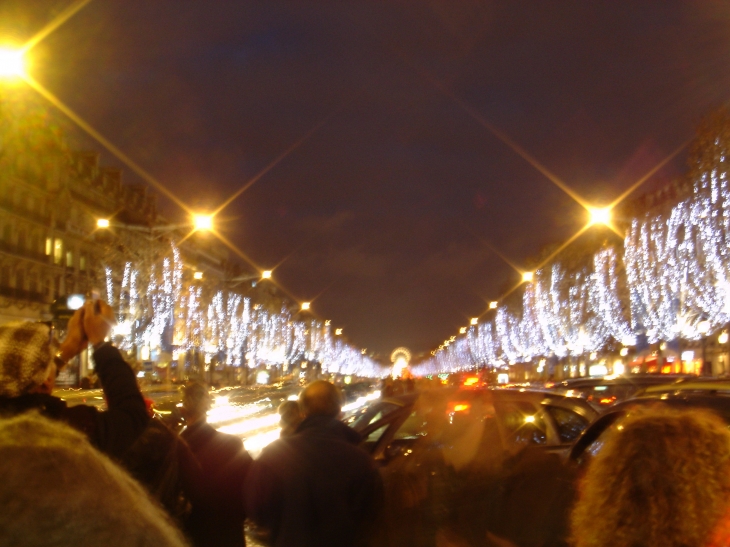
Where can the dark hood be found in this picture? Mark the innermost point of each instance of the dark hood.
(331, 427)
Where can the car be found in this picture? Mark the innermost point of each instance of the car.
(391, 425)
(684, 395)
(607, 390)
(451, 458)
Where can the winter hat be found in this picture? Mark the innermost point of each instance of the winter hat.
(26, 353)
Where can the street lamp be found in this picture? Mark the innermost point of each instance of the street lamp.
(12, 63)
(474, 320)
(527, 276)
(102, 223)
(266, 274)
(599, 215)
(306, 305)
(203, 222)
(198, 275)
(493, 305)
(338, 332)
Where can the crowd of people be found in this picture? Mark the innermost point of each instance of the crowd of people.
(80, 476)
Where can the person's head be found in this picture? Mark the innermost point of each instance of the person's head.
(320, 398)
(291, 417)
(196, 401)
(27, 353)
(662, 478)
(56, 489)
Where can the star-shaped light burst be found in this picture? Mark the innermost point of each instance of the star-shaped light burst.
(12, 63)
(600, 215)
(203, 222)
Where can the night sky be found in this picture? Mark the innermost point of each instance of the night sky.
(385, 213)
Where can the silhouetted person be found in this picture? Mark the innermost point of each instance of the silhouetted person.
(30, 359)
(661, 478)
(291, 417)
(217, 520)
(56, 489)
(315, 487)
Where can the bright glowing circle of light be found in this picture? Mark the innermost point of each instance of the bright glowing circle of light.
(527, 276)
(102, 223)
(203, 222)
(600, 216)
(12, 63)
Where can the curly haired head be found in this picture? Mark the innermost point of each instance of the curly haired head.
(662, 478)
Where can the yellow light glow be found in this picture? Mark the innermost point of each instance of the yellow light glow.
(12, 63)
(266, 274)
(723, 338)
(474, 320)
(529, 419)
(462, 330)
(493, 305)
(703, 327)
(102, 223)
(198, 275)
(527, 276)
(306, 305)
(600, 215)
(338, 332)
(203, 222)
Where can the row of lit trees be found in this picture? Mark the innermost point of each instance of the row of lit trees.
(162, 310)
(669, 280)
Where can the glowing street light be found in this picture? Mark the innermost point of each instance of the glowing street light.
(462, 330)
(493, 305)
(723, 338)
(198, 275)
(12, 63)
(599, 215)
(474, 321)
(306, 305)
(527, 276)
(203, 222)
(266, 274)
(338, 332)
(102, 223)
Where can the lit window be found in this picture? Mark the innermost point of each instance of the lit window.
(57, 251)
(82, 263)
(69, 259)
(49, 246)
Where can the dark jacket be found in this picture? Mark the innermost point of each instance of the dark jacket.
(112, 431)
(217, 519)
(315, 488)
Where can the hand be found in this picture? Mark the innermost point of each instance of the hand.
(76, 340)
(98, 320)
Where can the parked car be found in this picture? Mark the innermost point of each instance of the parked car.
(605, 391)
(698, 394)
(390, 426)
(454, 460)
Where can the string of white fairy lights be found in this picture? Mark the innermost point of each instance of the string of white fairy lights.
(672, 274)
(160, 311)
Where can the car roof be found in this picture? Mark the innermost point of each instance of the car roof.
(537, 396)
(633, 379)
(694, 384)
